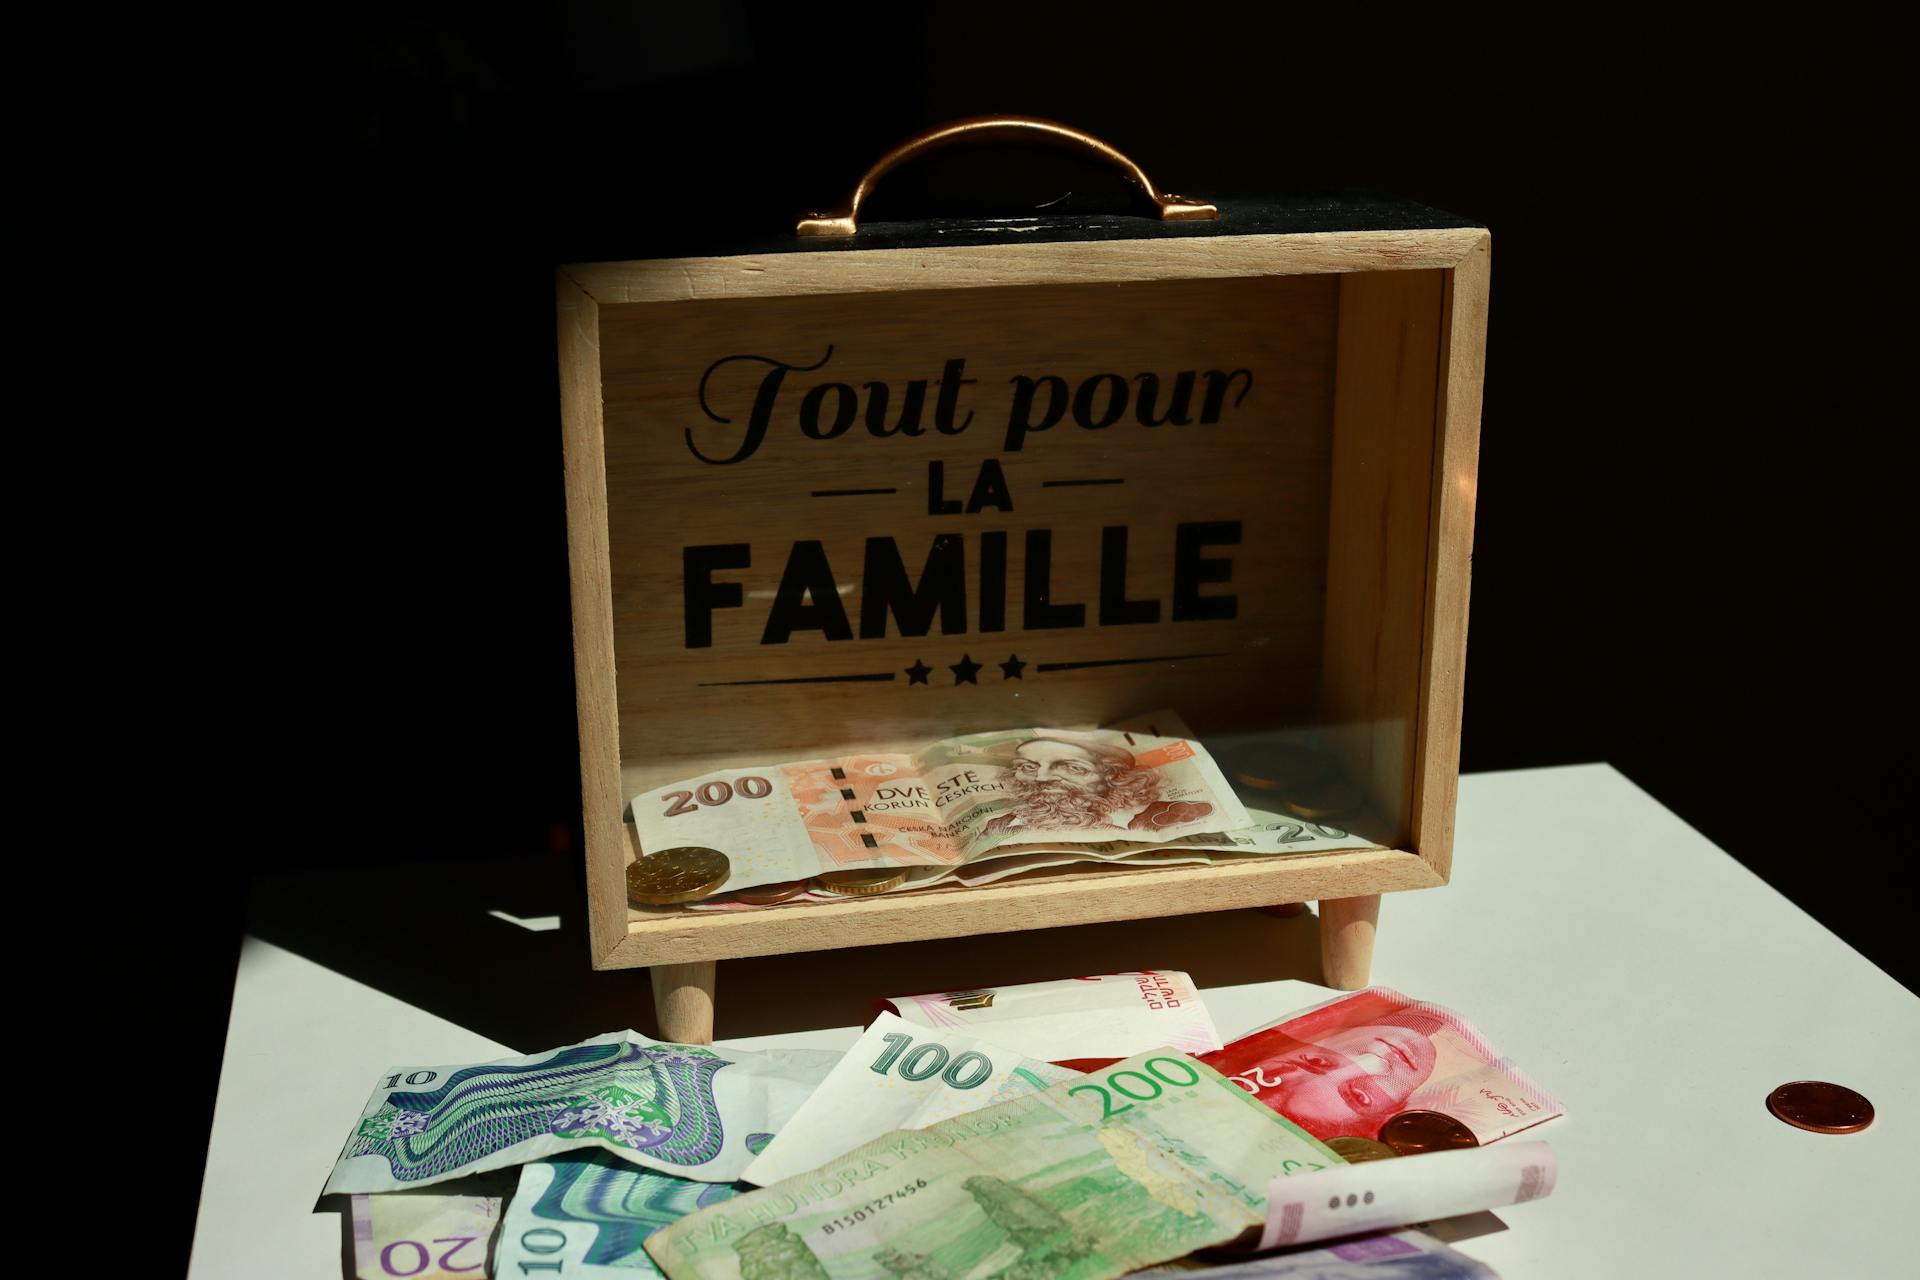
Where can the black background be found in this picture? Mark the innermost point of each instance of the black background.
(1696, 439)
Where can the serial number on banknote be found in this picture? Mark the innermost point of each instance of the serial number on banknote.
(872, 1207)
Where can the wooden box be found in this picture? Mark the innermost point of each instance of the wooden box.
(1221, 466)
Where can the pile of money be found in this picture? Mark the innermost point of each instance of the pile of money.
(1085, 1128)
(971, 810)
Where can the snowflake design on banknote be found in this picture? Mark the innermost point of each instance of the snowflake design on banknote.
(617, 1114)
(672, 1114)
(393, 1123)
(638, 1097)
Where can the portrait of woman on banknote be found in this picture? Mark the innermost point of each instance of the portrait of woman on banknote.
(1346, 1067)
(1348, 1081)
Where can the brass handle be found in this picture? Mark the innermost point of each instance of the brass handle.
(843, 222)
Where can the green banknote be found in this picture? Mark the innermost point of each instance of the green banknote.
(587, 1214)
(1147, 1160)
(689, 1111)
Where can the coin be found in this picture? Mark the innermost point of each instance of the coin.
(1819, 1107)
(1277, 766)
(1357, 1150)
(686, 874)
(767, 894)
(861, 883)
(1412, 1132)
(1329, 798)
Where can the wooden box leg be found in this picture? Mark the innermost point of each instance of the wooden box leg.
(1346, 940)
(683, 1001)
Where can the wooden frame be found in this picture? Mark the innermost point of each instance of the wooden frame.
(1411, 335)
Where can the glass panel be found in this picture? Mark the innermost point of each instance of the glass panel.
(843, 527)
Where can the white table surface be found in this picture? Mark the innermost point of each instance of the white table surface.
(1634, 969)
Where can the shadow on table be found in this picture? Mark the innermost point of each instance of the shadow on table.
(422, 933)
(1467, 1226)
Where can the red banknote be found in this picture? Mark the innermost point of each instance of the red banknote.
(1348, 1066)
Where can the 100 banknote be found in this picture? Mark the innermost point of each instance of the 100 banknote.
(947, 803)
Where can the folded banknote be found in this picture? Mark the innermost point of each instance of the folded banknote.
(1268, 834)
(693, 1112)
(948, 803)
(899, 1076)
(1271, 835)
(1399, 1255)
(588, 1215)
(1394, 1193)
(1107, 1016)
(428, 1237)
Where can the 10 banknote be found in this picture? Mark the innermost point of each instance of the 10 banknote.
(680, 1109)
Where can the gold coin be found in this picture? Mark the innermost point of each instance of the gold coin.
(1412, 1132)
(686, 874)
(1357, 1150)
(766, 895)
(1277, 766)
(1331, 798)
(859, 884)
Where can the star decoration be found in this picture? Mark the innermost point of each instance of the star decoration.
(965, 670)
(1012, 667)
(918, 672)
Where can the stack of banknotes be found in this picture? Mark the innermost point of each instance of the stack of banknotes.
(1078, 1129)
(978, 808)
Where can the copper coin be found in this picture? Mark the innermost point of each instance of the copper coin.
(1819, 1107)
(1331, 798)
(686, 874)
(1357, 1150)
(1412, 1132)
(861, 883)
(766, 895)
(1277, 766)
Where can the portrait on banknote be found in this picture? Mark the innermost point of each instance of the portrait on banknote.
(1348, 1066)
(1350, 1079)
(1059, 783)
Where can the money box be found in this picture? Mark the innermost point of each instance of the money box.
(871, 484)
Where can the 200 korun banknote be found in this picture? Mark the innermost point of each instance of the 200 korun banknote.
(949, 802)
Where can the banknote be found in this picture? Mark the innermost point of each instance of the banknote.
(681, 1109)
(947, 803)
(1268, 835)
(1107, 1016)
(1347, 1066)
(1272, 834)
(1398, 1255)
(898, 1076)
(1268, 831)
(587, 1214)
(1147, 1161)
(428, 1237)
(1394, 1193)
